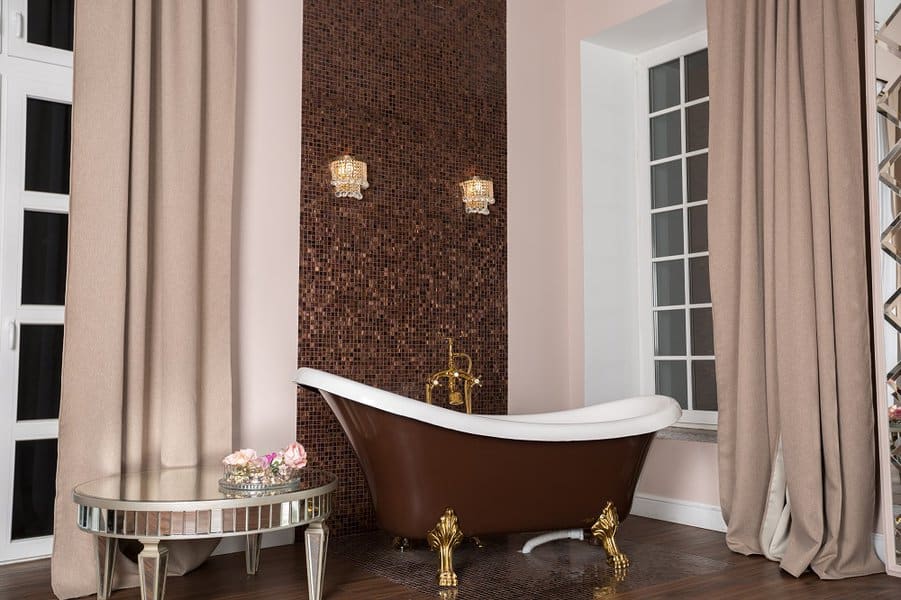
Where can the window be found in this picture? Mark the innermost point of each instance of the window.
(672, 135)
(36, 81)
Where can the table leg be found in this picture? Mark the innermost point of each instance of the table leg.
(252, 552)
(316, 541)
(107, 548)
(152, 563)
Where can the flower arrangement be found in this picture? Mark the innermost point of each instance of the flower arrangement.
(894, 412)
(244, 469)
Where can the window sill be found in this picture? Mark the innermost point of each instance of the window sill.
(686, 434)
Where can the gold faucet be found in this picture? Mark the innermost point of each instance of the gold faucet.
(454, 374)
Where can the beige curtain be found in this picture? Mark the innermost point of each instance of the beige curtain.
(789, 282)
(147, 353)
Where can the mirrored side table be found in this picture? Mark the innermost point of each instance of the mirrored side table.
(184, 504)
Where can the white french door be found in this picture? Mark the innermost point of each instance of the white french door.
(35, 124)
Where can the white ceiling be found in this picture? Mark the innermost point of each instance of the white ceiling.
(672, 21)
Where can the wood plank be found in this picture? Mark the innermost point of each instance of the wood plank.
(283, 575)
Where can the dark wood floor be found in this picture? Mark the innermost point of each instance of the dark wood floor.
(283, 576)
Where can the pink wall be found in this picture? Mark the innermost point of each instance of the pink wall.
(544, 235)
(681, 470)
(583, 18)
(547, 345)
(268, 199)
(537, 272)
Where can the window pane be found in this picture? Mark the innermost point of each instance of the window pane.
(664, 85)
(671, 381)
(698, 280)
(44, 258)
(697, 177)
(667, 233)
(47, 127)
(703, 384)
(697, 228)
(669, 282)
(666, 184)
(666, 135)
(702, 332)
(669, 333)
(50, 23)
(696, 75)
(696, 127)
(34, 487)
(40, 365)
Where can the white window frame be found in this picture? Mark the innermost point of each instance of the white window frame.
(701, 419)
(17, 38)
(20, 79)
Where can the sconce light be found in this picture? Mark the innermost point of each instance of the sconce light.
(478, 193)
(348, 177)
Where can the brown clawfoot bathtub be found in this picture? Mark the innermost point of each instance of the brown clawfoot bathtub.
(438, 474)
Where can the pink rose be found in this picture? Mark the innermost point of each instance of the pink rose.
(295, 456)
(240, 458)
(894, 412)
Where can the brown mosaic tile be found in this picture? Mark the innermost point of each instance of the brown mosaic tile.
(417, 89)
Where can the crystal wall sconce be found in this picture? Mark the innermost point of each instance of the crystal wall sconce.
(348, 177)
(478, 193)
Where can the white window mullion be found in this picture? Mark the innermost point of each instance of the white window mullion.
(680, 51)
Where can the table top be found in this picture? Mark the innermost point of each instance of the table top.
(187, 485)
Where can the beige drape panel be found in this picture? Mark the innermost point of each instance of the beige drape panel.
(788, 275)
(147, 353)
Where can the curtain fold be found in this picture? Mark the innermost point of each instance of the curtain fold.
(147, 350)
(788, 262)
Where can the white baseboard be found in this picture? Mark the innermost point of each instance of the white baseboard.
(237, 544)
(684, 512)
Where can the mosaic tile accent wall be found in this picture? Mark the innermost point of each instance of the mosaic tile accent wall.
(417, 90)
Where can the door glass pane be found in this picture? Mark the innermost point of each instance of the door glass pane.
(47, 127)
(696, 75)
(666, 135)
(34, 487)
(50, 23)
(40, 367)
(666, 184)
(697, 228)
(671, 381)
(703, 384)
(696, 127)
(664, 85)
(697, 177)
(669, 282)
(44, 258)
(667, 233)
(698, 280)
(702, 332)
(669, 333)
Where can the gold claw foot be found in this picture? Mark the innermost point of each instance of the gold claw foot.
(444, 538)
(604, 529)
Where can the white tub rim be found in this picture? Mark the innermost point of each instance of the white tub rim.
(620, 418)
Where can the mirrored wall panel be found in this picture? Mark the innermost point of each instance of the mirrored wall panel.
(888, 154)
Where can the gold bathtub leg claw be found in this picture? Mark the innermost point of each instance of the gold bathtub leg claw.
(444, 538)
(604, 529)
